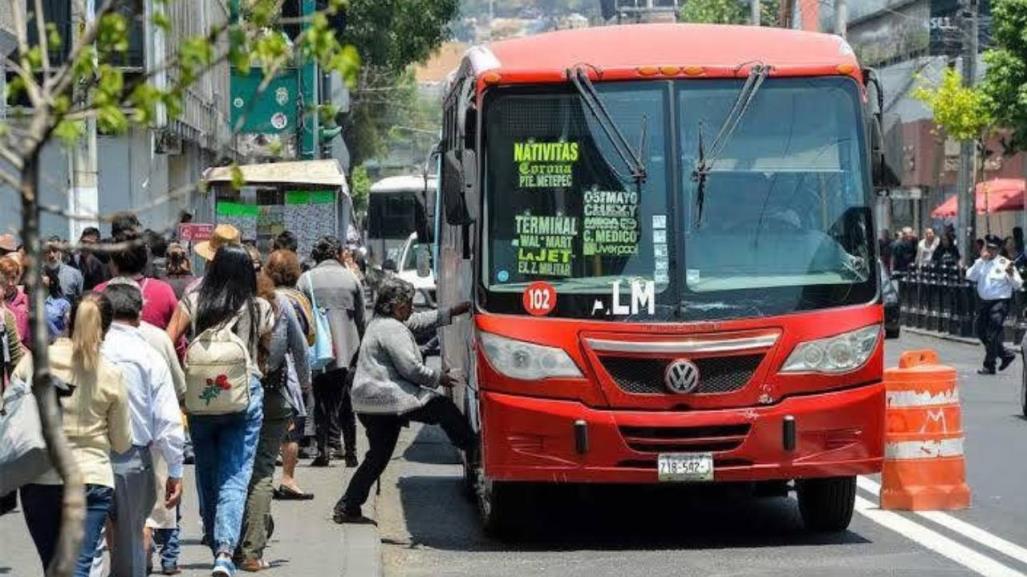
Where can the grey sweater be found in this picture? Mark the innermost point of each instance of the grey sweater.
(391, 376)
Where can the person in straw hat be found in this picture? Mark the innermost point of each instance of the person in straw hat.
(223, 234)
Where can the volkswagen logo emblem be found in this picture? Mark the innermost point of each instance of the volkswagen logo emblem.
(682, 377)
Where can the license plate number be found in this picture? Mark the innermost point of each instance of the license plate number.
(685, 467)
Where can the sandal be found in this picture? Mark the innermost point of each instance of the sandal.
(254, 565)
(283, 493)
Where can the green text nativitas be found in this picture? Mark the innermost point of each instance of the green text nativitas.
(545, 152)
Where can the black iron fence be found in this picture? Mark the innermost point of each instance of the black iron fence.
(937, 297)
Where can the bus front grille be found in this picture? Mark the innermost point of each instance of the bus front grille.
(645, 376)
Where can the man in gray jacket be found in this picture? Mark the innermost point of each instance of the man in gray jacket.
(331, 287)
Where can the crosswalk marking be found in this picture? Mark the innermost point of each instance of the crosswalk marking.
(940, 544)
(972, 532)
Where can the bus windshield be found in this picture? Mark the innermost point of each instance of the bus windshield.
(778, 222)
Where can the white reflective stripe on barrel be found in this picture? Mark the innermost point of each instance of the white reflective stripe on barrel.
(927, 449)
(901, 399)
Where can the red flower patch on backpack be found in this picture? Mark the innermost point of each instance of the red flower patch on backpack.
(214, 388)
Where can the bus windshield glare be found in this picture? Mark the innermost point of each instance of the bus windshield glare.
(782, 224)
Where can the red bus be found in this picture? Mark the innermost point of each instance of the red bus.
(666, 231)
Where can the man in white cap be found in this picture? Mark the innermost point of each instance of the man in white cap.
(996, 279)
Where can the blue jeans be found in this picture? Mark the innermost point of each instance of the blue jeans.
(42, 507)
(225, 446)
(166, 540)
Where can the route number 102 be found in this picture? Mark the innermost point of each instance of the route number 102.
(539, 298)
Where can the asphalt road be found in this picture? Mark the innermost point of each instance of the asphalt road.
(429, 527)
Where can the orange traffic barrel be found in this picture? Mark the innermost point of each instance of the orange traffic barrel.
(924, 468)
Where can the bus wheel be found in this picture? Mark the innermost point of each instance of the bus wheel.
(497, 508)
(826, 505)
(470, 480)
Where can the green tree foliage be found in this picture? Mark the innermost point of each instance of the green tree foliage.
(389, 36)
(1005, 83)
(728, 12)
(360, 189)
(963, 112)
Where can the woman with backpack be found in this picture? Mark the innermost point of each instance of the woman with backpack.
(226, 322)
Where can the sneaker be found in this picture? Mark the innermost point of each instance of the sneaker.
(321, 461)
(170, 570)
(985, 371)
(223, 567)
(351, 460)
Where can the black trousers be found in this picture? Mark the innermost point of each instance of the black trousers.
(382, 435)
(333, 412)
(991, 316)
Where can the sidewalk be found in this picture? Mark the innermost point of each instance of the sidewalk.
(305, 542)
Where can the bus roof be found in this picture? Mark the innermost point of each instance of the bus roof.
(402, 184)
(666, 50)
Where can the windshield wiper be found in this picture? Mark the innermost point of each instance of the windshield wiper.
(703, 163)
(632, 158)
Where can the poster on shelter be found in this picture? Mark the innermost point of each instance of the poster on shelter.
(309, 214)
(241, 216)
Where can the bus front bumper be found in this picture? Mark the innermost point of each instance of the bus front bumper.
(532, 439)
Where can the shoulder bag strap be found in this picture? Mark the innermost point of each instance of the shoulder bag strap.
(313, 299)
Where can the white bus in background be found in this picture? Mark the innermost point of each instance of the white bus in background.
(391, 215)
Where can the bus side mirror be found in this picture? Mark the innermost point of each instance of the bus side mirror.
(469, 165)
(885, 133)
(885, 171)
(453, 189)
(460, 186)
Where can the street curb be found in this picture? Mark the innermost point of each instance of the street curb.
(952, 338)
(362, 545)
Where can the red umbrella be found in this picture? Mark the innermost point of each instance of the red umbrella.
(997, 195)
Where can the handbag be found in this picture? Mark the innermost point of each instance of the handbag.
(23, 454)
(322, 352)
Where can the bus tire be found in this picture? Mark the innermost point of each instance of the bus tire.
(498, 508)
(826, 505)
(470, 481)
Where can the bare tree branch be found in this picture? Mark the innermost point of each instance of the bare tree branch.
(21, 31)
(15, 160)
(61, 82)
(44, 42)
(172, 195)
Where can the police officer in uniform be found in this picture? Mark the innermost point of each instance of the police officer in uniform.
(996, 279)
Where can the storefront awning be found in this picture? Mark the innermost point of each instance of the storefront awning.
(998, 195)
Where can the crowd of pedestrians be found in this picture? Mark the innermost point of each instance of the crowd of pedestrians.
(905, 251)
(255, 360)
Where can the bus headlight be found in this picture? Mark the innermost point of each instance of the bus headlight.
(527, 361)
(837, 354)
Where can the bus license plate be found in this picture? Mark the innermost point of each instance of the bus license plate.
(685, 467)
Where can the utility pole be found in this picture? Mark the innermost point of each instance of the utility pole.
(966, 219)
(841, 17)
(754, 18)
(83, 189)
